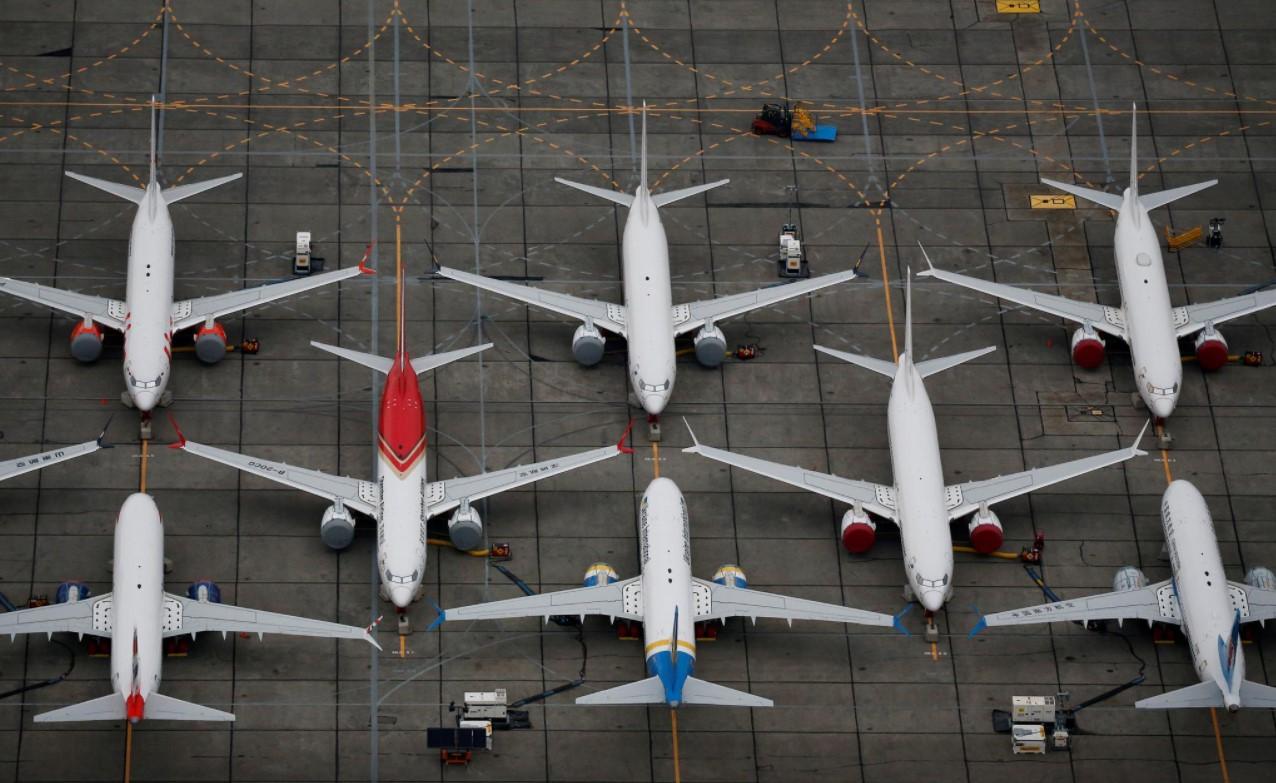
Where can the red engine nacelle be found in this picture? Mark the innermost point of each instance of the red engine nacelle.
(86, 341)
(985, 532)
(210, 343)
(1088, 348)
(1211, 350)
(859, 533)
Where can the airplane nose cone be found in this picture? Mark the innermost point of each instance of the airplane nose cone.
(401, 596)
(1162, 407)
(144, 401)
(654, 404)
(932, 600)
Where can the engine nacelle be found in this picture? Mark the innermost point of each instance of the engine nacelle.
(70, 592)
(859, 532)
(986, 534)
(1129, 578)
(731, 576)
(600, 574)
(86, 341)
(1260, 577)
(210, 343)
(337, 528)
(1088, 348)
(711, 346)
(1211, 350)
(205, 591)
(587, 345)
(465, 528)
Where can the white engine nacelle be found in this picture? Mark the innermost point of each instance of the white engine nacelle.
(465, 528)
(1088, 348)
(731, 576)
(587, 345)
(859, 532)
(986, 533)
(210, 343)
(1129, 578)
(1260, 577)
(1211, 350)
(600, 574)
(337, 529)
(711, 346)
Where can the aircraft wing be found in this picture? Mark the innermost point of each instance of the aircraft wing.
(362, 496)
(964, 498)
(192, 312)
(1108, 320)
(441, 496)
(1254, 603)
(604, 315)
(727, 602)
(107, 312)
(691, 316)
(72, 617)
(876, 498)
(1193, 318)
(16, 467)
(188, 616)
(618, 599)
(1154, 603)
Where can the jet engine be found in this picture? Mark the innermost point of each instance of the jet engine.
(859, 532)
(600, 574)
(1088, 348)
(1129, 578)
(986, 534)
(70, 592)
(1211, 350)
(337, 528)
(711, 346)
(86, 341)
(465, 528)
(1260, 577)
(205, 591)
(587, 345)
(731, 576)
(210, 343)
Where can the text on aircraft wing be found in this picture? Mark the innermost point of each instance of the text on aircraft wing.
(441, 496)
(1108, 320)
(1193, 318)
(724, 602)
(604, 315)
(1154, 603)
(692, 315)
(192, 312)
(107, 312)
(361, 496)
(78, 617)
(1255, 604)
(618, 599)
(16, 467)
(188, 616)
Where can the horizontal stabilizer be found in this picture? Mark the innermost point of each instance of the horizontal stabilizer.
(161, 707)
(1151, 201)
(126, 192)
(929, 367)
(700, 692)
(178, 192)
(108, 707)
(670, 196)
(648, 691)
(434, 360)
(381, 364)
(1255, 695)
(623, 199)
(1202, 694)
(1109, 200)
(880, 366)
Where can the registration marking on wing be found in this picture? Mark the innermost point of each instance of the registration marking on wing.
(255, 465)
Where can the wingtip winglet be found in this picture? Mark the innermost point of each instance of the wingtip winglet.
(624, 436)
(930, 265)
(895, 620)
(979, 627)
(180, 443)
(695, 442)
(363, 262)
(102, 442)
(442, 618)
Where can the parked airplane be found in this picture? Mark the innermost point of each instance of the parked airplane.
(1197, 596)
(400, 498)
(919, 502)
(1146, 319)
(648, 319)
(137, 615)
(147, 316)
(669, 601)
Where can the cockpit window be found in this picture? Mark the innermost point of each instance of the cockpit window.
(400, 580)
(136, 384)
(922, 581)
(1162, 391)
(653, 387)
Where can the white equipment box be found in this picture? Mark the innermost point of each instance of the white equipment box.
(301, 257)
(1032, 709)
(1028, 738)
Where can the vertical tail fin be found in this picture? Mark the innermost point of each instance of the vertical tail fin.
(154, 131)
(1227, 651)
(642, 172)
(1134, 150)
(908, 314)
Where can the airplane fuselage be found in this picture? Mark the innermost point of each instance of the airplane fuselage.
(925, 537)
(148, 335)
(665, 553)
(401, 478)
(648, 304)
(137, 603)
(1148, 314)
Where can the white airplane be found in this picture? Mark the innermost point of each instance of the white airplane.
(648, 319)
(669, 601)
(147, 316)
(1146, 319)
(919, 503)
(400, 498)
(137, 615)
(1197, 596)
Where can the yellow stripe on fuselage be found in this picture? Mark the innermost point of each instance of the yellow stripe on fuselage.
(660, 644)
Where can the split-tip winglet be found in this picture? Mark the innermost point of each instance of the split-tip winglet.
(1139, 440)
(930, 265)
(363, 262)
(695, 443)
(895, 620)
(979, 627)
(181, 439)
(101, 438)
(624, 436)
(438, 620)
